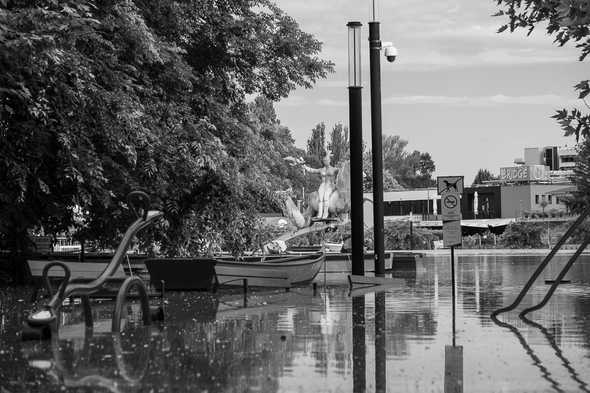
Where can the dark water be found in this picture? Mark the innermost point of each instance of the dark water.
(395, 341)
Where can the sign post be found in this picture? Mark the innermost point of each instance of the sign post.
(450, 189)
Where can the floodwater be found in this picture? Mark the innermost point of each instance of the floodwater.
(399, 340)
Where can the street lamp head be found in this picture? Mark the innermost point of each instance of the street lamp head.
(354, 54)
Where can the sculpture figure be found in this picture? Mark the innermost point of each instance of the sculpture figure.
(327, 192)
(331, 199)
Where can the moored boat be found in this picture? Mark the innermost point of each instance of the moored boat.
(269, 271)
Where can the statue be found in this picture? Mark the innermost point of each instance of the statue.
(331, 200)
(327, 194)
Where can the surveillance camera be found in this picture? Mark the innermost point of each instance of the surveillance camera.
(390, 53)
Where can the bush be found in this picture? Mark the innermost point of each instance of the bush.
(484, 240)
(396, 236)
(580, 233)
(523, 235)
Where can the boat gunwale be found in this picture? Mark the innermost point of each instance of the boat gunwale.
(298, 260)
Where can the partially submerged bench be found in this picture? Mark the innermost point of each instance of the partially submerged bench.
(82, 272)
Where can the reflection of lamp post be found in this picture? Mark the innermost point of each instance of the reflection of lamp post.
(356, 147)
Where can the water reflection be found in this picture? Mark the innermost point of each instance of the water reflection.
(113, 362)
(283, 342)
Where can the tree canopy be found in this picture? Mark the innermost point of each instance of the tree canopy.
(483, 175)
(100, 98)
(401, 169)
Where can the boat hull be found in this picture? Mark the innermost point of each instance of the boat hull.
(272, 271)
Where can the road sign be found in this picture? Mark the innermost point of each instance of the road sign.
(451, 206)
(449, 184)
(452, 233)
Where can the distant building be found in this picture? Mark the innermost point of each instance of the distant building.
(537, 183)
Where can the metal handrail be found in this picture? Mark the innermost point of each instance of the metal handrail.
(95, 285)
(543, 264)
(559, 278)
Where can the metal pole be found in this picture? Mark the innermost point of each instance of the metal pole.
(359, 364)
(411, 235)
(380, 344)
(356, 180)
(377, 147)
(453, 288)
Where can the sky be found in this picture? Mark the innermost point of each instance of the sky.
(470, 97)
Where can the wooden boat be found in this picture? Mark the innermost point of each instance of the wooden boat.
(269, 271)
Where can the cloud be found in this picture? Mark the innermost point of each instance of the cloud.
(331, 102)
(551, 100)
(293, 101)
(430, 35)
(494, 100)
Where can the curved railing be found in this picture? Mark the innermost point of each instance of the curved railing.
(544, 264)
(42, 320)
(128, 285)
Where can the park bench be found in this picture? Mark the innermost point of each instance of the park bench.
(82, 272)
(43, 323)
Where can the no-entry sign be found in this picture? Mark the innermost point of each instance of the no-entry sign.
(451, 206)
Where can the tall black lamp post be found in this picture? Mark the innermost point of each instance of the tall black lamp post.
(377, 146)
(356, 147)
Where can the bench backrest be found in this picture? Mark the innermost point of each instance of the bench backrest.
(89, 270)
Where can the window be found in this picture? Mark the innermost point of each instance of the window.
(549, 197)
(537, 199)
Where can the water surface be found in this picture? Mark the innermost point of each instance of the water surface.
(399, 340)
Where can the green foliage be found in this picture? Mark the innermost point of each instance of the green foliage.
(523, 235)
(316, 146)
(98, 99)
(484, 240)
(580, 199)
(407, 170)
(396, 236)
(339, 144)
(482, 176)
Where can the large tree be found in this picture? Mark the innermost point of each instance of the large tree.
(408, 169)
(339, 144)
(316, 145)
(100, 98)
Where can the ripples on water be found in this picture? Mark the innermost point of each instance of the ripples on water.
(328, 342)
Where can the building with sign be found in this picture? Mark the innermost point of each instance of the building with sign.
(537, 183)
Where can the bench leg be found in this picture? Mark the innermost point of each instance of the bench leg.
(87, 312)
(34, 295)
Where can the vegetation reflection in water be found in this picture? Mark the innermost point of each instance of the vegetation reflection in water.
(329, 342)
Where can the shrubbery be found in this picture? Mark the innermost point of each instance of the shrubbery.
(522, 235)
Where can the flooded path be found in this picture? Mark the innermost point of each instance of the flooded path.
(275, 341)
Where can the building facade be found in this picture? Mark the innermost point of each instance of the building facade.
(538, 183)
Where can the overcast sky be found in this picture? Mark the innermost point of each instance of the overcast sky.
(469, 96)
